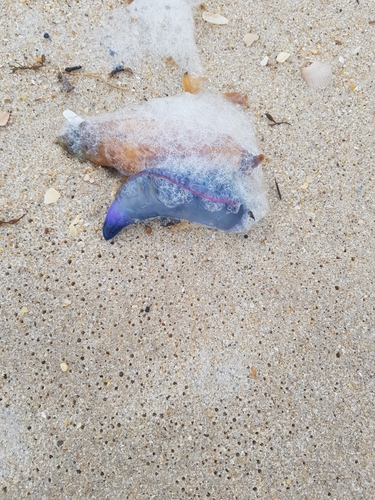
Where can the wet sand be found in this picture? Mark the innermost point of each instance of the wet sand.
(183, 362)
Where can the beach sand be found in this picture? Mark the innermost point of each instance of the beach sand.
(183, 362)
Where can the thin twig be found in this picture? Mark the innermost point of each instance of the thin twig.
(278, 189)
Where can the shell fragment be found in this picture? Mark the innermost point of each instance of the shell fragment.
(214, 18)
(51, 196)
(282, 57)
(250, 38)
(4, 117)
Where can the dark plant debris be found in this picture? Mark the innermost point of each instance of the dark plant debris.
(278, 190)
(169, 221)
(121, 68)
(34, 67)
(66, 85)
(72, 68)
(11, 221)
(274, 122)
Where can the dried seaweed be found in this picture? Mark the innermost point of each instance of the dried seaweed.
(33, 67)
(274, 122)
(11, 221)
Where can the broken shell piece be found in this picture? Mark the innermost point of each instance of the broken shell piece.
(193, 84)
(250, 38)
(4, 117)
(237, 98)
(73, 227)
(69, 115)
(214, 18)
(318, 75)
(51, 196)
(282, 57)
(264, 61)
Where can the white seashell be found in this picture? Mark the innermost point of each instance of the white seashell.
(318, 75)
(282, 57)
(51, 196)
(250, 38)
(71, 116)
(264, 61)
(214, 18)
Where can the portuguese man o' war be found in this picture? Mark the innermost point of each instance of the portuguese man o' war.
(191, 157)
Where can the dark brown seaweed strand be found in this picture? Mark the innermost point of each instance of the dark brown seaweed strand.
(72, 68)
(274, 122)
(119, 69)
(12, 221)
(270, 118)
(33, 67)
(278, 189)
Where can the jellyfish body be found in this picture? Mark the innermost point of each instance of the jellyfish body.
(191, 157)
(209, 197)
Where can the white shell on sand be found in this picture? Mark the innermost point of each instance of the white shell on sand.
(264, 61)
(68, 114)
(282, 57)
(318, 75)
(214, 18)
(250, 38)
(51, 196)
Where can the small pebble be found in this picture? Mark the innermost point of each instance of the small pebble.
(264, 61)
(46, 35)
(64, 367)
(73, 227)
